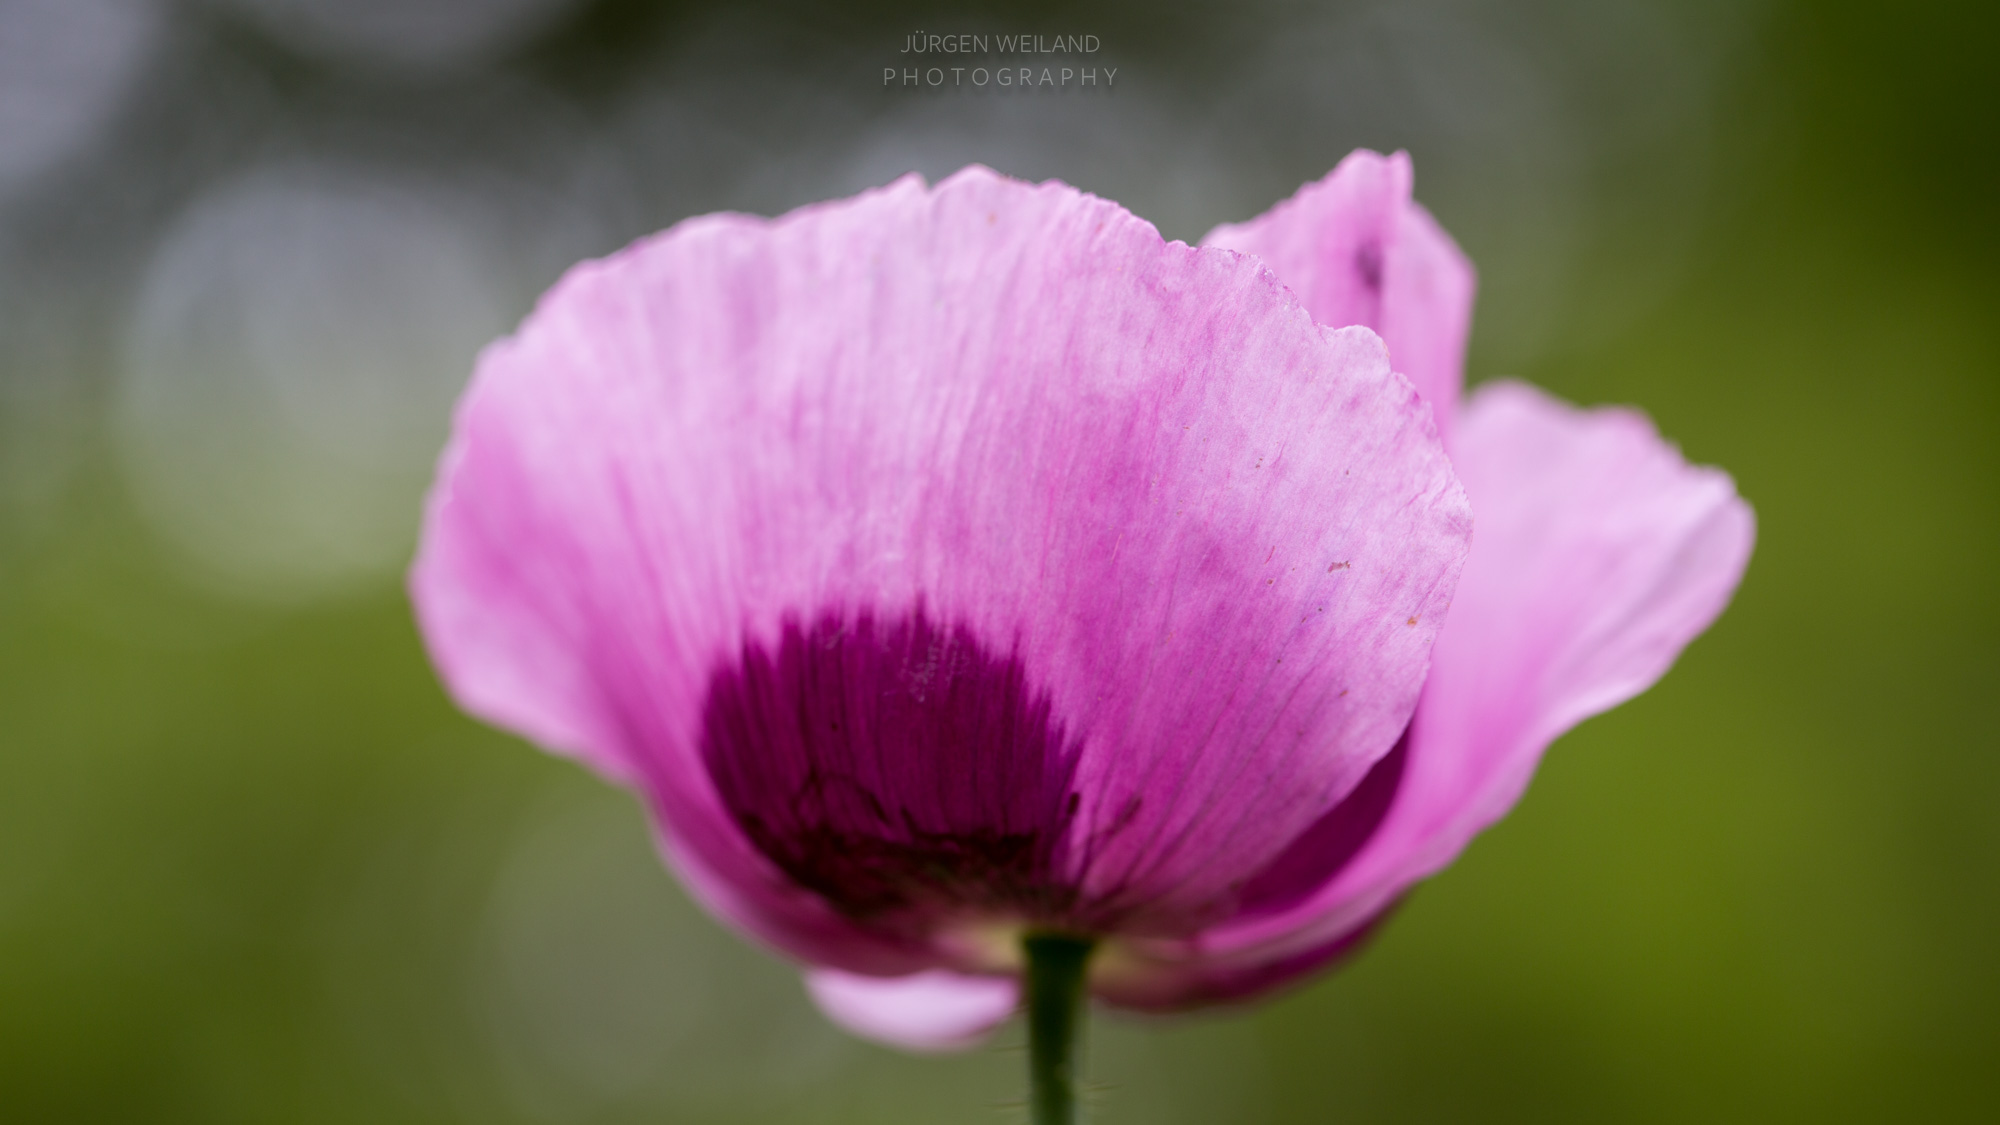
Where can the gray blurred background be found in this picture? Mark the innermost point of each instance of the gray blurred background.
(253, 867)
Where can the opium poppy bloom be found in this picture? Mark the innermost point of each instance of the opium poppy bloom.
(954, 566)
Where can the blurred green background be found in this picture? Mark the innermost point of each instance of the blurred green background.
(253, 866)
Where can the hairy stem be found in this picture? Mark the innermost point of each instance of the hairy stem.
(1056, 965)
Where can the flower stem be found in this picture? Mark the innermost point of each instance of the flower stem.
(1055, 1019)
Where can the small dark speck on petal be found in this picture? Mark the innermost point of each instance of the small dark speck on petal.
(1368, 263)
(1343, 693)
(1411, 621)
(1331, 567)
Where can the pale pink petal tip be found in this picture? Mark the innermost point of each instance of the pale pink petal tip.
(1357, 249)
(929, 1011)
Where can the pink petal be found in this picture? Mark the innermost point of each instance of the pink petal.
(991, 450)
(1599, 555)
(1602, 554)
(929, 1011)
(1357, 250)
(1165, 979)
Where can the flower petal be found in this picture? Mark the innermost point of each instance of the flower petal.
(1357, 250)
(1162, 979)
(1126, 485)
(1600, 554)
(928, 1011)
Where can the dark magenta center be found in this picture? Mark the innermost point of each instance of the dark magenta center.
(904, 772)
(897, 768)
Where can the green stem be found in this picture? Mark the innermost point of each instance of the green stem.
(1056, 964)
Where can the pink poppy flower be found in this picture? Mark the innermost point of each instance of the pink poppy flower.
(951, 565)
